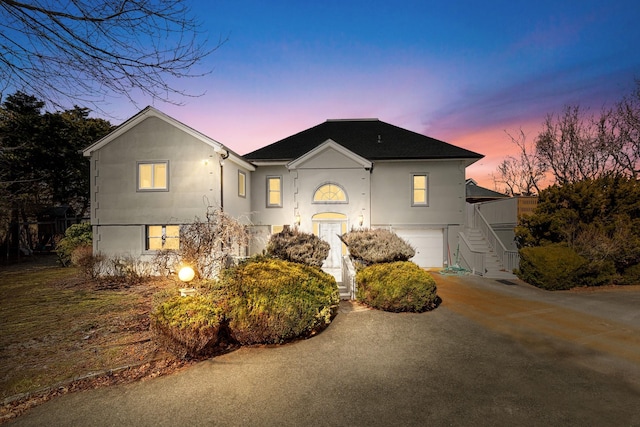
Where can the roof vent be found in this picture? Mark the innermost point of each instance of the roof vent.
(379, 139)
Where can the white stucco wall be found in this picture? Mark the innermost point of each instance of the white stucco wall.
(119, 211)
(391, 185)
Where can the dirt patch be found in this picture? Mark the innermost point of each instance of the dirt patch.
(62, 334)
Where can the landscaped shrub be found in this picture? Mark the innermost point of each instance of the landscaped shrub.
(397, 286)
(551, 267)
(129, 269)
(75, 236)
(272, 301)
(371, 246)
(91, 266)
(187, 326)
(296, 246)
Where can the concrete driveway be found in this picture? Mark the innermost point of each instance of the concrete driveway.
(493, 354)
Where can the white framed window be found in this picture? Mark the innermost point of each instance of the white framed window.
(153, 176)
(330, 193)
(242, 184)
(419, 189)
(274, 191)
(159, 237)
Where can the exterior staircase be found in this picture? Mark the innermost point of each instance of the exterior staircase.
(493, 268)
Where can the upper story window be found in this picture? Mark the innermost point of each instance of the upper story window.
(330, 193)
(242, 184)
(153, 176)
(420, 190)
(274, 191)
(162, 237)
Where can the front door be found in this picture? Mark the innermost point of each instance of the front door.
(329, 232)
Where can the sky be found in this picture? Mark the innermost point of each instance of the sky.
(465, 72)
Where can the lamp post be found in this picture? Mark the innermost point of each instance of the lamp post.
(186, 274)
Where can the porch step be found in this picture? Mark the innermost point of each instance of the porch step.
(344, 292)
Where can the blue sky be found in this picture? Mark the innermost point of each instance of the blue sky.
(463, 72)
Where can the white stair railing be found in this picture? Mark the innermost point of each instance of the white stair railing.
(510, 260)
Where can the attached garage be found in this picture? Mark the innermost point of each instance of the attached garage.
(428, 243)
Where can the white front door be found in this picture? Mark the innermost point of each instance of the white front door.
(329, 232)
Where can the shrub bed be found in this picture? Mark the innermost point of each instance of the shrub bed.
(272, 301)
(187, 326)
(295, 246)
(398, 286)
(374, 246)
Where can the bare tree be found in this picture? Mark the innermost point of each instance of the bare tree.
(569, 146)
(87, 50)
(619, 134)
(520, 175)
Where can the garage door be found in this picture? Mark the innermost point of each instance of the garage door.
(428, 245)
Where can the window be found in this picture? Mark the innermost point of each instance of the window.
(419, 190)
(153, 176)
(330, 193)
(274, 192)
(162, 237)
(242, 184)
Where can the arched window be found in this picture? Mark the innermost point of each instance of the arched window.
(330, 193)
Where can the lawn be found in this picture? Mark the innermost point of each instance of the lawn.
(57, 328)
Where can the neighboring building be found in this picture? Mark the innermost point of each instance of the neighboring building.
(476, 193)
(154, 173)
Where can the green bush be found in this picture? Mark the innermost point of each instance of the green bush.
(370, 246)
(551, 267)
(187, 326)
(75, 236)
(272, 301)
(631, 276)
(397, 286)
(296, 246)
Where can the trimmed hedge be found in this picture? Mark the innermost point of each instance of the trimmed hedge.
(187, 326)
(553, 267)
(370, 246)
(398, 286)
(296, 246)
(272, 301)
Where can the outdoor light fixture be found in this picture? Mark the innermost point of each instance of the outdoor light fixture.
(298, 219)
(361, 219)
(186, 274)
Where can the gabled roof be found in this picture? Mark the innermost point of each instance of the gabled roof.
(370, 138)
(330, 144)
(477, 193)
(152, 112)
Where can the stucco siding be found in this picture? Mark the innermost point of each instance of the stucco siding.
(391, 198)
(261, 214)
(119, 239)
(193, 177)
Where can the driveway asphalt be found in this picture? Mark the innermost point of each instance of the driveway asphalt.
(492, 354)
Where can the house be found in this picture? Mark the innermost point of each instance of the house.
(154, 173)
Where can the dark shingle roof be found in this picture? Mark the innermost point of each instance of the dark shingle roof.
(369, 138)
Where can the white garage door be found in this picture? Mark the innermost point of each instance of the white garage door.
(428, 245)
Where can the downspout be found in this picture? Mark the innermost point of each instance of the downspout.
(223, 157)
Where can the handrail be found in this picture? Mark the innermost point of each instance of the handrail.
(509, 259)
(349, 276)
(473, 260)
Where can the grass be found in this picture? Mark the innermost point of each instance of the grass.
(56, 327)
